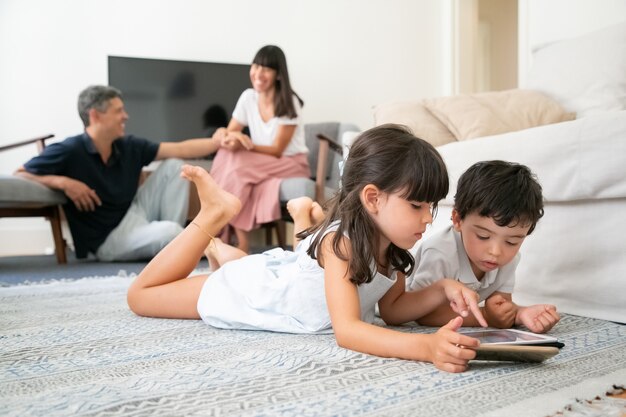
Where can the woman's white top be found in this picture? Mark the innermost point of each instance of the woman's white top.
(247, 114)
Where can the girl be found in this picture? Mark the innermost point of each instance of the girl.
(252, 167)
(357, 256)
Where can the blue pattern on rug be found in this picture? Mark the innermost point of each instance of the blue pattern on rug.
(74, 348)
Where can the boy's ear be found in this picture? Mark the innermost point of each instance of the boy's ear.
(370, 197)
(456, 220)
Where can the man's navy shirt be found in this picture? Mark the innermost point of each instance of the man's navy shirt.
(115, 182)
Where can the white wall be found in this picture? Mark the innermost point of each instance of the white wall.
(344, 56)
(544, 21)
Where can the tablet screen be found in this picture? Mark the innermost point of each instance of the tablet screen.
(508, 336)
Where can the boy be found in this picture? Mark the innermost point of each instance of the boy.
(496, 206)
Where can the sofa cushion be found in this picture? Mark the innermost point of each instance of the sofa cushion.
(579, 160)
(21, 192)
(586, 74)
(416, 117)
(470, 116)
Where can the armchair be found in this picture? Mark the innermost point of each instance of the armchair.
(325, 152)
(20, 197)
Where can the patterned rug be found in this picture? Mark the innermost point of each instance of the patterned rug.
(74, 349)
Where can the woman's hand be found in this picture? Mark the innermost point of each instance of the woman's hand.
(449, 350)
(462, 299)
(236, 141)
(220, 134)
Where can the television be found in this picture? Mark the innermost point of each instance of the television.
(176, 100)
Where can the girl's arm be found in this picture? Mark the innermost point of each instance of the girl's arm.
(446, 349)
(445, 299)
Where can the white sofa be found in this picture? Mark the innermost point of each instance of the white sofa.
(576, 257)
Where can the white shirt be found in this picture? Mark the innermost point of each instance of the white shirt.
(443, 255)
(247, 114)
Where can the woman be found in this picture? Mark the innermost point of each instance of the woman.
(252, 167)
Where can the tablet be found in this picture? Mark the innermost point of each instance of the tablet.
(510, 337)
(515, 353)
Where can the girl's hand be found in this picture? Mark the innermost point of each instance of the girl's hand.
(449, 350)
(538, 318)
(463, 300)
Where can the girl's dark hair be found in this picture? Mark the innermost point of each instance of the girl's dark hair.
(505, 191)
(273, 57)
(393, 160)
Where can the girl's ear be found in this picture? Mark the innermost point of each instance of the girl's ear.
(370, 197)
(456, 220)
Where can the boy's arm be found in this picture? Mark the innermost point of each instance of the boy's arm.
(538, 318)
(500, 310)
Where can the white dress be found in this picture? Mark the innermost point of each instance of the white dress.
(280, 291)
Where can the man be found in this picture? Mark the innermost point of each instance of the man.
(108, 213)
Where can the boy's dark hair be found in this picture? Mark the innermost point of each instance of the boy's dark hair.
(394, 160)
(273, 57)
(95, 97)
(505, 191)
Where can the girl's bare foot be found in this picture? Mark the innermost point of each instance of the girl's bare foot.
(300, 209)
(211, 253)
(217, 206)
(218, 253)
(317, 213)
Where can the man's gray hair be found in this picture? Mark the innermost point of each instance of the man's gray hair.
(95, 97)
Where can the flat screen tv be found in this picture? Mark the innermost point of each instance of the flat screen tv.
(176, 100)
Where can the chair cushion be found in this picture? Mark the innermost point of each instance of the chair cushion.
(296, 187)
(19, 192)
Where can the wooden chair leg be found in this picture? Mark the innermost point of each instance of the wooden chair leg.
(59, 242)
(281, 233)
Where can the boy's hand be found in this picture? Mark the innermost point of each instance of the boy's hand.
(500, 312)
(538, 318)
(463, 300)
(449, 350)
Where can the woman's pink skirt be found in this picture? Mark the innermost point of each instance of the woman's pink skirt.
(255, 179)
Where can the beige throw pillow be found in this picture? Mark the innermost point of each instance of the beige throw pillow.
(416, 117)
(470, 116)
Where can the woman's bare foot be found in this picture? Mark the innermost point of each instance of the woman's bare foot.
(217, 206)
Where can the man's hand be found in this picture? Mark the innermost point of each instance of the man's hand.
(83, 197)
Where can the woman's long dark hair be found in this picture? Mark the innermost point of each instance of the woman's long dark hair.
(272, 56)
(393, 160)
